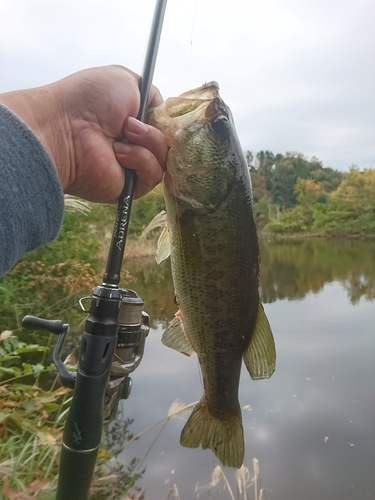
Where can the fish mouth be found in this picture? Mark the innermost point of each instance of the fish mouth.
(208, 90)
(190, 110)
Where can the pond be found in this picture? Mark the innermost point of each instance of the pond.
(311, 426)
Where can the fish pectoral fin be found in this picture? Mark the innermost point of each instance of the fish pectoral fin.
(175, 337)
(224, 436)
(164, 248)
(260, 355)
(158, 221)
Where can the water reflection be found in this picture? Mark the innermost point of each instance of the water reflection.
(290, 269)
(154, 284)
(311, 426)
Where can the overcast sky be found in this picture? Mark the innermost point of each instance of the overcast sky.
(299, 75)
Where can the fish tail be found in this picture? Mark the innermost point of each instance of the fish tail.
(224, 436)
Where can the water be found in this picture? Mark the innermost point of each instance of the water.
(311, 425)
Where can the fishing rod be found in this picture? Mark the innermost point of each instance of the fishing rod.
(114, 336)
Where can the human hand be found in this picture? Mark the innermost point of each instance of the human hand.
(82, 120)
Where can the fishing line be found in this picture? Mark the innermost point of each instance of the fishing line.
(192, 35)
(194, 18)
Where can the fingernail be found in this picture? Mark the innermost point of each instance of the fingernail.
(121, 148)
(136, 126)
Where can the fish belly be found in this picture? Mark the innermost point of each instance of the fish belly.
(215, 272)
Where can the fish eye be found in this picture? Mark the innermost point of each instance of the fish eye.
(221, 126)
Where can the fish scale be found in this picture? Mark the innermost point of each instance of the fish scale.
(215, 265)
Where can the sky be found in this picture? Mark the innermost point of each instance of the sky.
(298, 75)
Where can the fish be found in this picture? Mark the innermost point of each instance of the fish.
(211, 237)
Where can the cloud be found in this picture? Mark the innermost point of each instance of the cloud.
(297, 75)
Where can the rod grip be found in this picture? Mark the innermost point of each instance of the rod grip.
(75, 475)
(84, 424)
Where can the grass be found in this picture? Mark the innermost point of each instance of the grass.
(32, 415)
(244, 481)
(219, 485)
(31, 425)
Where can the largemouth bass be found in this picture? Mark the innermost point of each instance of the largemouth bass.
(215, 264)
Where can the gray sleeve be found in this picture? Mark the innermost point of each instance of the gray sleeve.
(31, 197)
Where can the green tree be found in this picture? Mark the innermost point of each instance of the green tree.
(349, 210)
(287, 169)
(261, 173)
(308, 191)
(274, 178)
(291, 166)
(265, 166)
(329, 178)
(357, 190)
(262, 198)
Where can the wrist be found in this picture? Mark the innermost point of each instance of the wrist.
(41, 112)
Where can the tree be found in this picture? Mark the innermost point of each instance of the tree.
(265, 166)
(274, 180)
(290, 167)
(357, 190)
(329, 177)
(308, 191)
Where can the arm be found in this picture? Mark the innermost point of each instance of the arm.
(31, 198)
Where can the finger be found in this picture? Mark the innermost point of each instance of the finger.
(147, 136)
(155, 97)
(144, 162)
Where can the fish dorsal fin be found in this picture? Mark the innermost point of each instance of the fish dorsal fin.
(260, 355)
(164, 248)
(175, 337)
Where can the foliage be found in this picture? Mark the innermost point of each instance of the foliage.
(31, 425)
(290, 167)
(356, 192)
(292, 268)
(308, 191)
(309, 198)
(12, 358)
(347, 211)
(144, 210)
(50, 291)
(262, 197)
(31, 421)
(274, 179)
(49, 281)
(291, 221)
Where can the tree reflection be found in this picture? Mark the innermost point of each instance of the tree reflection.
(291, 269)
(154, 284)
